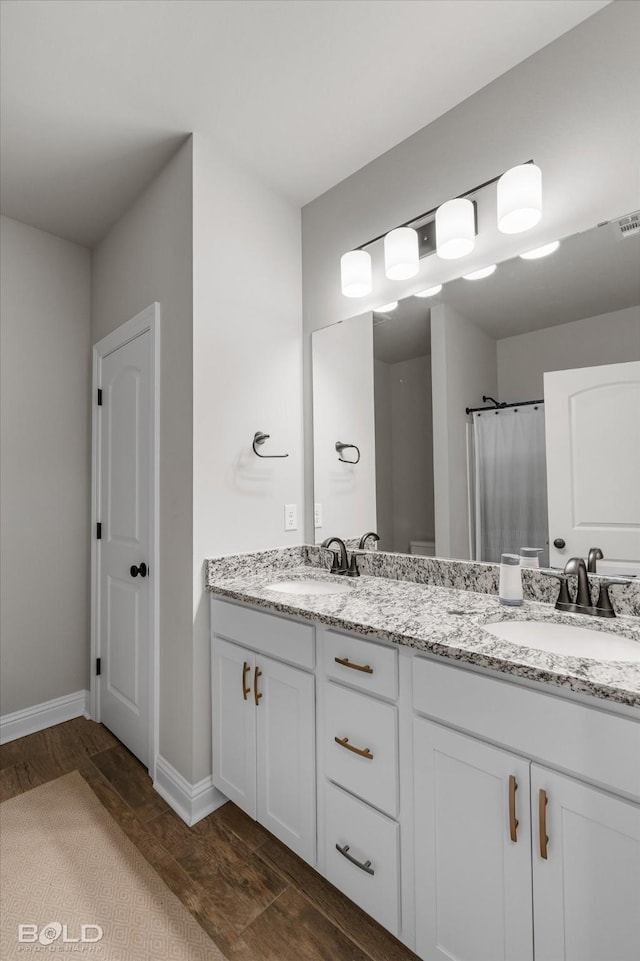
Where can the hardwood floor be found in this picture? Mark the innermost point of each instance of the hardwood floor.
(251, 894)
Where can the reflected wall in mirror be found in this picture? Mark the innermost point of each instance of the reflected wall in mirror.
(434, 478)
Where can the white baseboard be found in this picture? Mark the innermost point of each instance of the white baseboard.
(41, 716)
(191, 802)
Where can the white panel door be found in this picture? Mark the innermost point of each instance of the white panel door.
(234, 724)
(586, 893)
(473, 881)
(123, 509)
(286, 766)
(592, 423)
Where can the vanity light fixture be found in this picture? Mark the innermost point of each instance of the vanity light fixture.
(543, 251)
(448, 230)
(355, 270)
(519, 199)
(401, 257)
(386, 308)
(481, 273)
(429, 292)
(455, 229)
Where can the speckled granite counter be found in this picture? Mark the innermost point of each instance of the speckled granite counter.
(435, 620)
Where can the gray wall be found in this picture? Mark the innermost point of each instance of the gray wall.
(463, 368)
(147, 256)
(404, 452)
(572, 107)
(45, 465)
(606, 339)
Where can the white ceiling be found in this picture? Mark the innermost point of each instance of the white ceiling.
(97, 94)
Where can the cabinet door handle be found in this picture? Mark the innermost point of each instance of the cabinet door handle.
(513, 821)
(366, 866)
(360, 751)
(354, 667)
(542, 823)
(246, 690)
(256, 694)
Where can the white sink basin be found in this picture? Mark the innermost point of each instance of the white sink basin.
(309, 585)
(566, 639)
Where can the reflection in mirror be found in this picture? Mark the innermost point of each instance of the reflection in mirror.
(557, 461)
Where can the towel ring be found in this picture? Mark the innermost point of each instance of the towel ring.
(340, 447)
(259, 438)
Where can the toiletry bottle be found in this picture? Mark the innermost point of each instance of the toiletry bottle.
(530, 556)
(510, 580)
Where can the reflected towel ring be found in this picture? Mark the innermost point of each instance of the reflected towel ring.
(340, 447)
(259, 438)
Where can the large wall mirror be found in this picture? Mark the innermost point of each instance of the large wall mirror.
(496, 414)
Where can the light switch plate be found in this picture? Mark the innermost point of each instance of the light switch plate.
(291, 517)
(317, 515)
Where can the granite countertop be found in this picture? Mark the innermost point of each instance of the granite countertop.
(436, 620)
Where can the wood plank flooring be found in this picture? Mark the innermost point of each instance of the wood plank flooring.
(251, 894)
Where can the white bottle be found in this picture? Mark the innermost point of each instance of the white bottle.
(510, 580)
(529, 556)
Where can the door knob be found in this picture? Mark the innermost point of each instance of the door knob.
(141, 570)
(560, 543)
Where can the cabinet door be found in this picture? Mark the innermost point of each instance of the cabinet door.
(586, 892)
(286, 764)
(473, 882)
(234, 720)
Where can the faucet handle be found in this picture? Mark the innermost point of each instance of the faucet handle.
(335, 567)
(563, 600)
(603, 606)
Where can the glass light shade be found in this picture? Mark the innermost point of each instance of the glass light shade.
(543, 251)
(481, 273)
(386, 308)
(519, 199)
(455, 229)
(401, 258)
(429, 292)
(355, 273)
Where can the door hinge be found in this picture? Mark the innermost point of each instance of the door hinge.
(98, 666)
(99, 396)
(99, 530)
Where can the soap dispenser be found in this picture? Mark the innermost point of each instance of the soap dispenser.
(510, 590)
(530, 556)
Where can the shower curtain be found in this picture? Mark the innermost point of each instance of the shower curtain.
(510, 482)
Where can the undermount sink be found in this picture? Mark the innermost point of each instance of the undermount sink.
(309, 585)
(565, 639)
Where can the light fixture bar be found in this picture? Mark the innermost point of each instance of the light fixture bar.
(429, 213)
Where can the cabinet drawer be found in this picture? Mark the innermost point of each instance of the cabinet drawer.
(367, 724)
(371, 840)
(268, 633)
(363, 664)
(579, 739)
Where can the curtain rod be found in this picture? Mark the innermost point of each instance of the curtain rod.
(522, 403)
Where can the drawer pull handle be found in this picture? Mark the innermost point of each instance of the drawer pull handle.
(542, 823)
(360, 751)
(246, 690)
(256, 695)
(513, 821)
(354, 667)
(363, 867)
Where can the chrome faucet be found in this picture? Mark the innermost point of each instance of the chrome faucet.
(336, 568)
(583, 603)
(595, 554)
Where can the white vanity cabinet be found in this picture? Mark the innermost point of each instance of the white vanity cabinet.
(496, 833)
(264, 751)
(359, 787)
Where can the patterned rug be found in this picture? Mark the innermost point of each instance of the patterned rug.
(73, 885)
